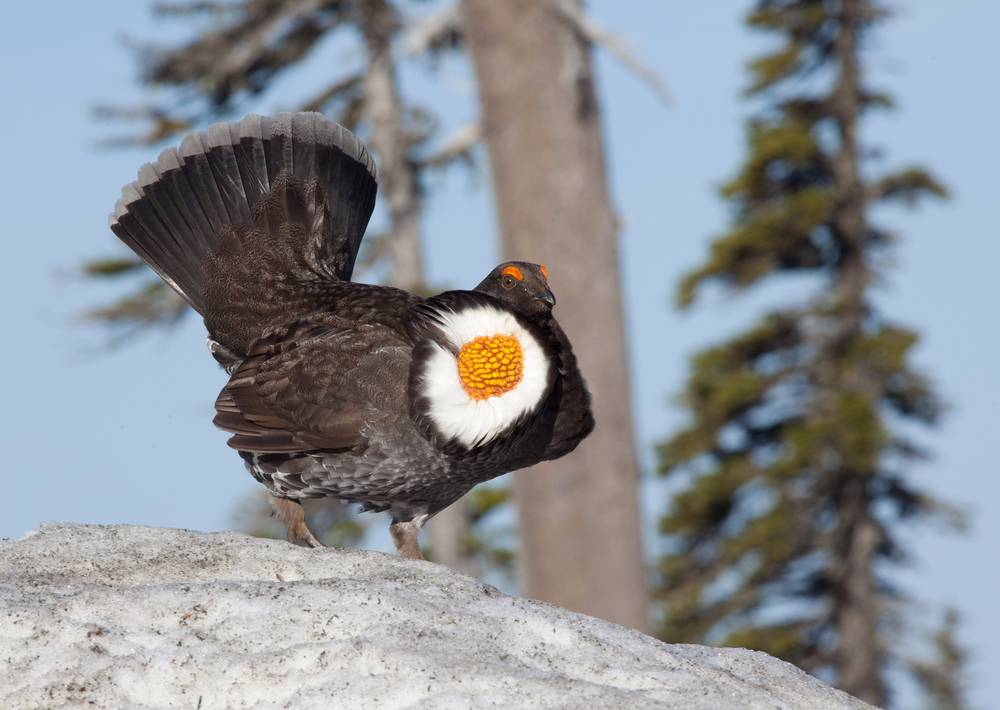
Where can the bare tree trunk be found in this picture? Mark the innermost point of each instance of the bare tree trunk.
(398, 182)
(579, 518)
(860, 657)
(397, 173)
(449, 531)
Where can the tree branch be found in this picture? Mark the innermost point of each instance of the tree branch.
(435, 33)
(458, 146)
(591, 31)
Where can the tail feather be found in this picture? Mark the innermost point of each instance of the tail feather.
(252, 157)
(137, 223)
(291, 195)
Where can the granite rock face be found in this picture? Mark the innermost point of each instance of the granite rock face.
(120, 616)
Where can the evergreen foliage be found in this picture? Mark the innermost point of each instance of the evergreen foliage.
(794, 464)
(942, 677)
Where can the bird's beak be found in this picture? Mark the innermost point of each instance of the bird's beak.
(548, 297)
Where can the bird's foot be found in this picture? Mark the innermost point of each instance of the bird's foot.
(407, 538)
(293, 515)
(302, 533)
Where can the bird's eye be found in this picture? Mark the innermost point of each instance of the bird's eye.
(508, 281)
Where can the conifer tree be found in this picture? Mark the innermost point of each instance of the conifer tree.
(942, 676)
(794, 466)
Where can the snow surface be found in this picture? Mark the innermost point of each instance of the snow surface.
(121, 616)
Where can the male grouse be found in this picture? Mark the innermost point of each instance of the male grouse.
(337, 389)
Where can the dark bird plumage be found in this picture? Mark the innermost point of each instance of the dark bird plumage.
(339, 389)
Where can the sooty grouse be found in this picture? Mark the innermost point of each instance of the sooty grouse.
(337, 389)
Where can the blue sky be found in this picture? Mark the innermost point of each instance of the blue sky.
(126, 436)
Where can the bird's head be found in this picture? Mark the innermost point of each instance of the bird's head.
(520, 286)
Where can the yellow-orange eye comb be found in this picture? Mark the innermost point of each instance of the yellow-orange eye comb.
(512, 271)
(545, 271)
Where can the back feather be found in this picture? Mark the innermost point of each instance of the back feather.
(245, 219)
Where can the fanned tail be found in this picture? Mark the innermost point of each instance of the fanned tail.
(241, 213)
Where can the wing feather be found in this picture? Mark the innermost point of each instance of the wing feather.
(315, 388)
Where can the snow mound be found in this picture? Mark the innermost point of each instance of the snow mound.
(122, 616)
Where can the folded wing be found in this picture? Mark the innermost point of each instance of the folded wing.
(315, 388)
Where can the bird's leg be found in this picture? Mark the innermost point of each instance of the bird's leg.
(407, 538)
(293, 515)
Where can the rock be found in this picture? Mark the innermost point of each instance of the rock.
(122, 616)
